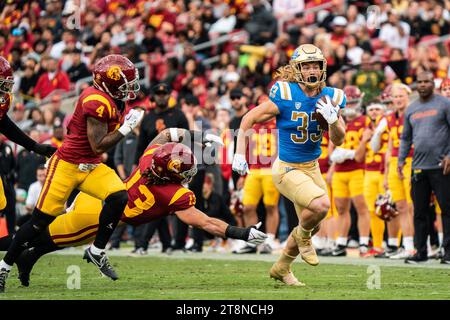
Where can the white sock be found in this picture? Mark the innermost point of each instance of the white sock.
(408, 243)
(441, 238)
(341, 241)
(96, 250)
(270, 236)
(330, 243)
(319, 242)
(392, 242)
(4, 265)
(364, 241)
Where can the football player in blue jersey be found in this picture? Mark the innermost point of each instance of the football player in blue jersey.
(298, 100)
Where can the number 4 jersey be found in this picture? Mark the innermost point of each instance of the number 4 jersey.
(91, 103)
(299, 133)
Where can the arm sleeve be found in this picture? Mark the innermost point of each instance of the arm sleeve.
(406, 141)
(13, 133)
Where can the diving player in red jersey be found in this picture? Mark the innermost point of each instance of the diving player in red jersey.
(155, 189)
(8, 128)
(94, 128)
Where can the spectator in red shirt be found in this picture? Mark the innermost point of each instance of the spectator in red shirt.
(51, 80)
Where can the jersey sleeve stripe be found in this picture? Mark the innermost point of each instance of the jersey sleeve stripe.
(285, 90)
(97, 97)
(338, 96)
(180, 192)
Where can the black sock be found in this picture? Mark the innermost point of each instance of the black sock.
(27, 233)
(109, 217)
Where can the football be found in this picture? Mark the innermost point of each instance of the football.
(320, 119)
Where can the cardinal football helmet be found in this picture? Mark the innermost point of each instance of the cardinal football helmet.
(117, 76)
(385, 207)
(174, 162)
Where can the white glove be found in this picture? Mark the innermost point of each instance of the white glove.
(375, 141)
(132, 119)
(240, 164)
(339, 155)
(255, 236)
(212, 138)
(327, 110)
(382, 125)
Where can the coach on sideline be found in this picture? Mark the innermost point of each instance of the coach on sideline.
(427, 126)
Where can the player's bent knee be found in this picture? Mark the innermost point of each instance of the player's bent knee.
(321, 206)
(117, 199)
(39, 220)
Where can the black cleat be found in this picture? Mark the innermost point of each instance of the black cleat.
(102, 262)
(445, 259)
(416, 259)
(339, 251)
(3, 276)
(24, 265)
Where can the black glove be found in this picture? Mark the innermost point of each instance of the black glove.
(44, 149)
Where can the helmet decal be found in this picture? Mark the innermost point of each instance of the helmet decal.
(114, 72)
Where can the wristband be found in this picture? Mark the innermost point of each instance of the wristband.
(124, 130)
(237, 233)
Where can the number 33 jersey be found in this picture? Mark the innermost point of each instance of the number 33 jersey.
(299, 133)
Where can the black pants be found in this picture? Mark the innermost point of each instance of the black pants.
(145, 232)
(422, 184)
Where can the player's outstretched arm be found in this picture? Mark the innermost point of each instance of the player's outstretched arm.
(262, 113)
(13, 133)
(196, 218)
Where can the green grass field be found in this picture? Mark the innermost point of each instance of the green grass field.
(213, 276)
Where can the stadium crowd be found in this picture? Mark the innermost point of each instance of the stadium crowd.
(52, 45)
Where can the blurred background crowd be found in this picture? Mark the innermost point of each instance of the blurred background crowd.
(216, 58)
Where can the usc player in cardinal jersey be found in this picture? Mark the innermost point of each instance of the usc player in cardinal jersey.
(94, 128)
(8, 128)
(400, 188)
(348, 175)
(155, 189)
(373, 170)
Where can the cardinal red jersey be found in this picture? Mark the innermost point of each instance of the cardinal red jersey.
(395, 128)
(91, 103)
(353, 134)
(375, 161)
(324, 160)
(149, 202)
(4, 107)
(263, 147)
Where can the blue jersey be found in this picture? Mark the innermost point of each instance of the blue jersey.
(299, 134)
